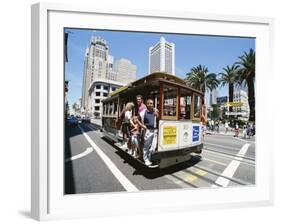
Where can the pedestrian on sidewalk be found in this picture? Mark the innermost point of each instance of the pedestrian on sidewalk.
(236, 130)
(212, 123)
(244, 131)
(226, 125)
(217, 126)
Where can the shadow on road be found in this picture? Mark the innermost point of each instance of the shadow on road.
(152, 173)
(155, 173)
(69, 183)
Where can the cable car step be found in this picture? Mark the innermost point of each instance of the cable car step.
(125, 149)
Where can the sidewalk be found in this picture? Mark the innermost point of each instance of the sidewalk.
(96, 121)
(230, 133)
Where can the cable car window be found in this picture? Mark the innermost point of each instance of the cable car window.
(115, 107)
(185, 104)
(170, 102)
(196, 106)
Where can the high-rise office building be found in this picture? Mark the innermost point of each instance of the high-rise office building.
(162, 57)
(125, 71)
(99, 77)
(98, 64)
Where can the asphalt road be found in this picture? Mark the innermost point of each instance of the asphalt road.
(94, 165)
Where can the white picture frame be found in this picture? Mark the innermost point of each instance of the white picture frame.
(48, 201)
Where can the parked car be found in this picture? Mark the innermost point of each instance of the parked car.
(79, 119)
(86, 119)
(72, 121)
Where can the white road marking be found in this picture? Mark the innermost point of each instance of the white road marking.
(244, 140)
(86, 152)
(115, 171)
(232, 167)
(220, 146)
(214, 161)
(229, 157)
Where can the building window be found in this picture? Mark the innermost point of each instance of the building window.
(97, 93)
(105, 87)
(97, 108)
(105, 94)
(113, 88)
(98, 87)
(97, 101)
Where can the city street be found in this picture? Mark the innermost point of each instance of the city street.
(95, 165)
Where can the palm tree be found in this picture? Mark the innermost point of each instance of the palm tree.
(247, 74)
(229, 77)
(200, 79)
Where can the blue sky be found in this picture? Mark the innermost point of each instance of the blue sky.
(215, 52)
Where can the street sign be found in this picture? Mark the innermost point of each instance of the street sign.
(195, 133)
(221, 100)
(234, 104)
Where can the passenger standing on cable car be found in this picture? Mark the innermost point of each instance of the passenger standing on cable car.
(141, 107)
(126, 125)
(150, 138)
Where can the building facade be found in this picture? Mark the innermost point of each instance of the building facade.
(98, 64)
(241, 96)
(101, 75)
(125, 71)
(99, 90)
(162, 57)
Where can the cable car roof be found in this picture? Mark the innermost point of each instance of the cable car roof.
(161, 76)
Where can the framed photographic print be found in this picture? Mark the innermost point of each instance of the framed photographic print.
(160, 110)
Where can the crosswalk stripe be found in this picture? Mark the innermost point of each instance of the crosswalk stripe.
(232, 167)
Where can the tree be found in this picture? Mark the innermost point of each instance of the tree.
(246, 74)
(96, 114)
(215, 114)
(200, 79)
(229, 77)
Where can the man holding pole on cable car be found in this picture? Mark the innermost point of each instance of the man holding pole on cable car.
(150, 138)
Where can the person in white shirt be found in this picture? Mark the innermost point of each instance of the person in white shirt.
(126, 123)
(226, 126)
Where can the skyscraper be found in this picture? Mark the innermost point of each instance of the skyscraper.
(102, 76)
(98, 64)
(126, 72)
(162, 57)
